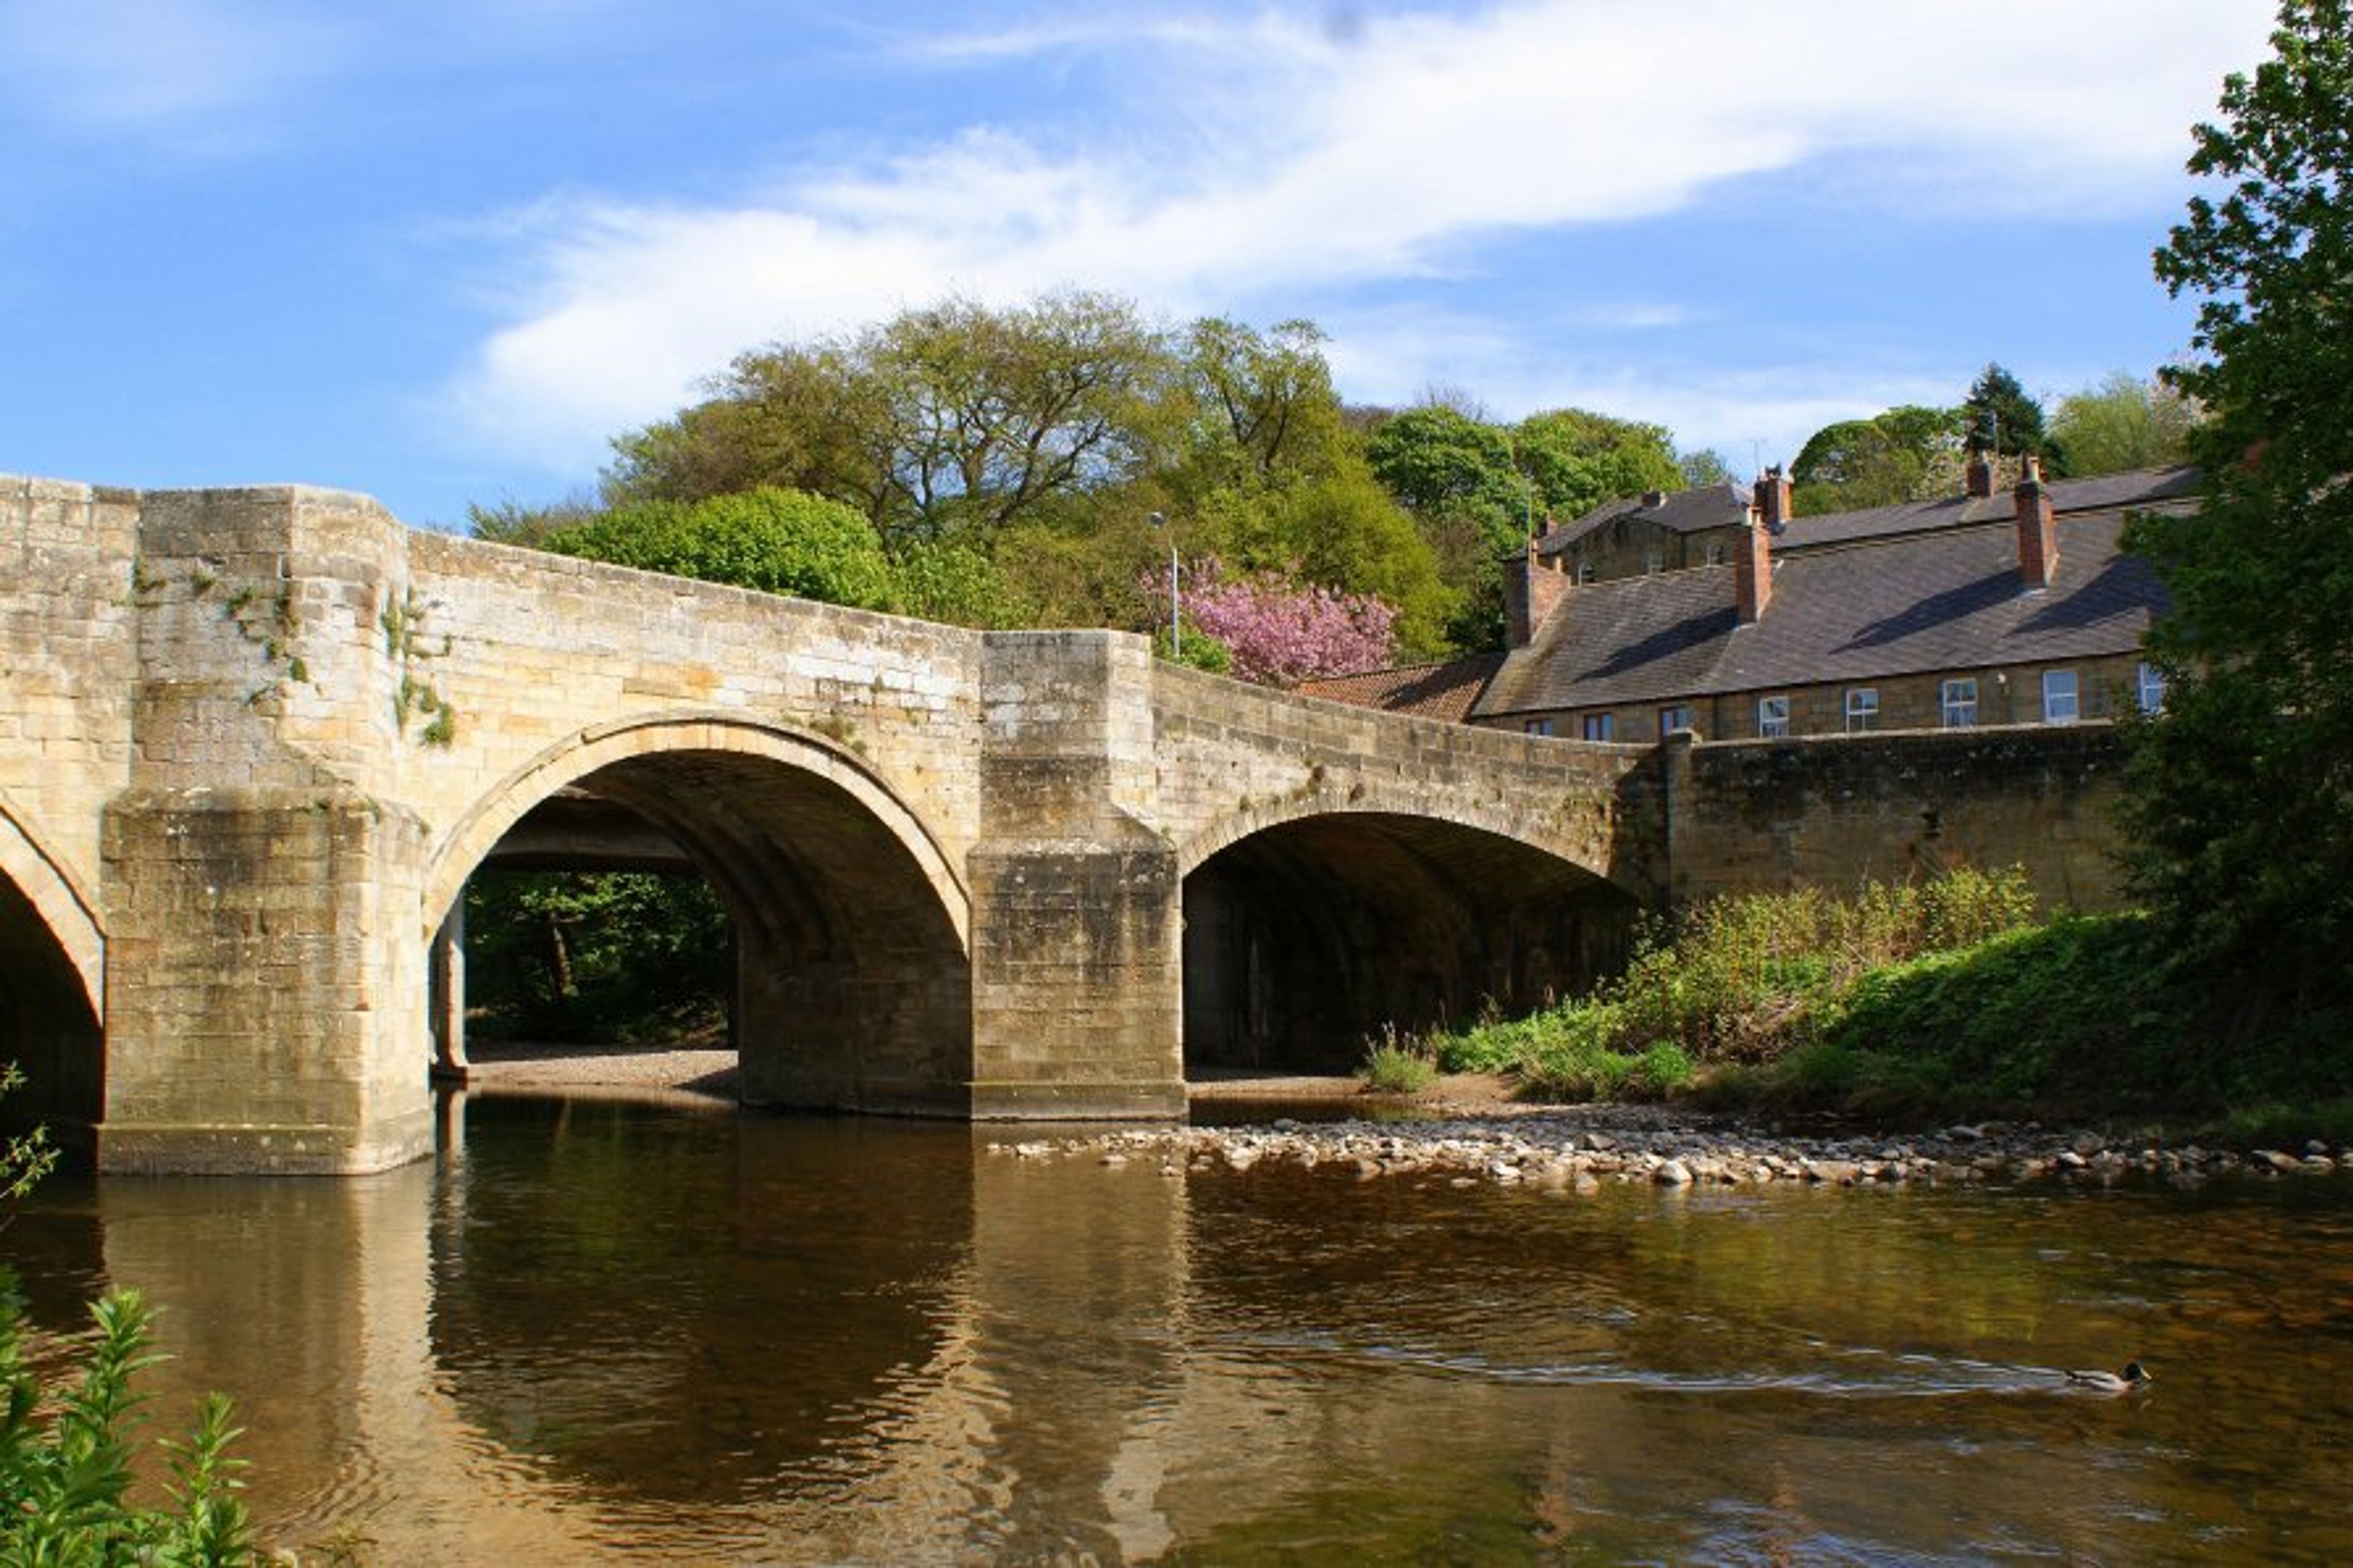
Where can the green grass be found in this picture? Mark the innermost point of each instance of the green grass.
(1913, 1003)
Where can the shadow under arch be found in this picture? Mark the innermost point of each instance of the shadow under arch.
(1312, 935)
(52, 987)
(853, 969)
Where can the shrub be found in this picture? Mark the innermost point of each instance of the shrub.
(67, 1455)
(1397, 1066)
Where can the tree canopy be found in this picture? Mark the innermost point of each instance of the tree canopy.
(1026, 464)
(2240, 794)
(1905, 453)
(2124, 423)
(2001, 417)
(952, 421)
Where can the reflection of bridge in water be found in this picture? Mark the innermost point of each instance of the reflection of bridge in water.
(261, 739)
(267, 735)
(998, 1373)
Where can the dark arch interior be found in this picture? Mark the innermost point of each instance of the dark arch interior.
(47, 1027)
(852, 988)
(1305, 941)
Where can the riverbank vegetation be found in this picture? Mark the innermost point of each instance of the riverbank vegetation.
(1944, 1000)
(71, 1432)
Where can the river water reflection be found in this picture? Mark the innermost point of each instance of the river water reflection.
(600, 1332)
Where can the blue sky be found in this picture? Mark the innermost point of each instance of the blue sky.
(439, 253)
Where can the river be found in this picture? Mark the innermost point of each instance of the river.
(603, 1333)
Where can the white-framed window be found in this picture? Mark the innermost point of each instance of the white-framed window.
(1862, 709)
(1600, 726)
(1673, 717)
(1585, 572)
(1536, 727)
(1773, 716)
(1715, 555)
(2149, 688)
(1958, 700)
(2060, 702)
(1654, 561)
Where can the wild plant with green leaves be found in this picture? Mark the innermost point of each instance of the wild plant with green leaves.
(69, 1447)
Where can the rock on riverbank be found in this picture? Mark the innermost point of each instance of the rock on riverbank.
(1580, 1148)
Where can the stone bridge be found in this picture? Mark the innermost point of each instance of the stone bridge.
(253, 743)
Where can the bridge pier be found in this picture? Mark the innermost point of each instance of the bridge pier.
(266, 988)
(1077, 970)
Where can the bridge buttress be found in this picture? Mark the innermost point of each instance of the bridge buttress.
(265, 965)
(1078, 997)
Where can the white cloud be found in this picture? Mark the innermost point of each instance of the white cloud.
(1276, 153)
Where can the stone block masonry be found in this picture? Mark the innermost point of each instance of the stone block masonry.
(253, 743)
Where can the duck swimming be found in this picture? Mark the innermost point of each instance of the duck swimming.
(2134, 1376)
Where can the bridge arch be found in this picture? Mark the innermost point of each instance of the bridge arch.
(52, 979)
(1363, 799)
(852, 928)
(1311, 928)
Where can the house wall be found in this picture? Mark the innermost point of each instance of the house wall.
(2106, 688)
(1621, 549)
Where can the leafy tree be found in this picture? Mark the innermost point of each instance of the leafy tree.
(2122, 424)
(1704, 467)
(1577, 459)
(953, 420)
(576, 956)
(511, 523)
(1263, 402)
(2240, 796)
(2000, 415)
(1898, 455)
(1441, 462)
(780, 542)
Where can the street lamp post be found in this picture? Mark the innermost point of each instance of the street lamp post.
(1176, 617)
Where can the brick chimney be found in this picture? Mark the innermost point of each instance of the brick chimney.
(2038, 530)
(1752, 571)
(1531, 590)
(1773, 498)
(1979, 479)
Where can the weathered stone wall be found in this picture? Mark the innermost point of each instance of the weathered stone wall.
(1076, 924)
(255, 742)
(1831, 811)
(1235, 760)
(69, 562)
(534, 658)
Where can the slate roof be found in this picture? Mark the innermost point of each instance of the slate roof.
(1899, 602)
(2142, 487)
(1430, 690)
(1680, 511)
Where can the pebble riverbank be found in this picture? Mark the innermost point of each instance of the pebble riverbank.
(1578, 1150)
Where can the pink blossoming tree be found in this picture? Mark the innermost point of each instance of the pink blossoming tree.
(1279, 632)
